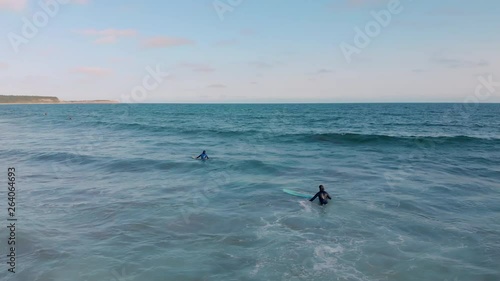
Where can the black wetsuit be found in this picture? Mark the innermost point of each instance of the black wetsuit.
(322, 195)
(203, 156)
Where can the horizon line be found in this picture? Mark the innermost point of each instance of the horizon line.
(304, 102)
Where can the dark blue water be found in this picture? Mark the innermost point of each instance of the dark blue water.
(111, 192)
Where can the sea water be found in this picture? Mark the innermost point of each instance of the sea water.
(111, 192)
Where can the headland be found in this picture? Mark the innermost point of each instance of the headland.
(11, 99)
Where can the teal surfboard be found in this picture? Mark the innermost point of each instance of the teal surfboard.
(296, 193)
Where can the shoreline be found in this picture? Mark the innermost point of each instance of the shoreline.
(66, 102)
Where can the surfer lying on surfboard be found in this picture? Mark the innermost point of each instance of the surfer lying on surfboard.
(203, 155)
(322, 195)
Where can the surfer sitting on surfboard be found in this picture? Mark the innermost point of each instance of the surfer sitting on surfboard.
(322, 195)
(203, 155)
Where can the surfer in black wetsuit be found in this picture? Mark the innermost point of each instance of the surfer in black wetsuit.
(322, 195)
(203, 155)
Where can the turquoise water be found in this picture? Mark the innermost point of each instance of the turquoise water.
(113, 193)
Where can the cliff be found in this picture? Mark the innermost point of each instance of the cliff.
(47, 100)
(28, 99)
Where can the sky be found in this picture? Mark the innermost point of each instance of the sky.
(206, 51)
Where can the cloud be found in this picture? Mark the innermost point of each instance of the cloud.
(359, 3)
(366, 3)
(108, 32)
(324, 71)
(165, 42)
(247, 32)
(3, 65)
(321, 71)
(266, 64)
(457, 63)
(217, 86)
(354, 4)
(13, 5)
(91, 71)
(198, 67)
(107, 36)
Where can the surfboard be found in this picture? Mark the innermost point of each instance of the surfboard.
(194, 157)
(296, 193)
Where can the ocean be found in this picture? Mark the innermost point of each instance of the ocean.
(112, 193)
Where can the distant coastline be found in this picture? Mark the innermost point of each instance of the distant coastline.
(4, 99)
(89, 101)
